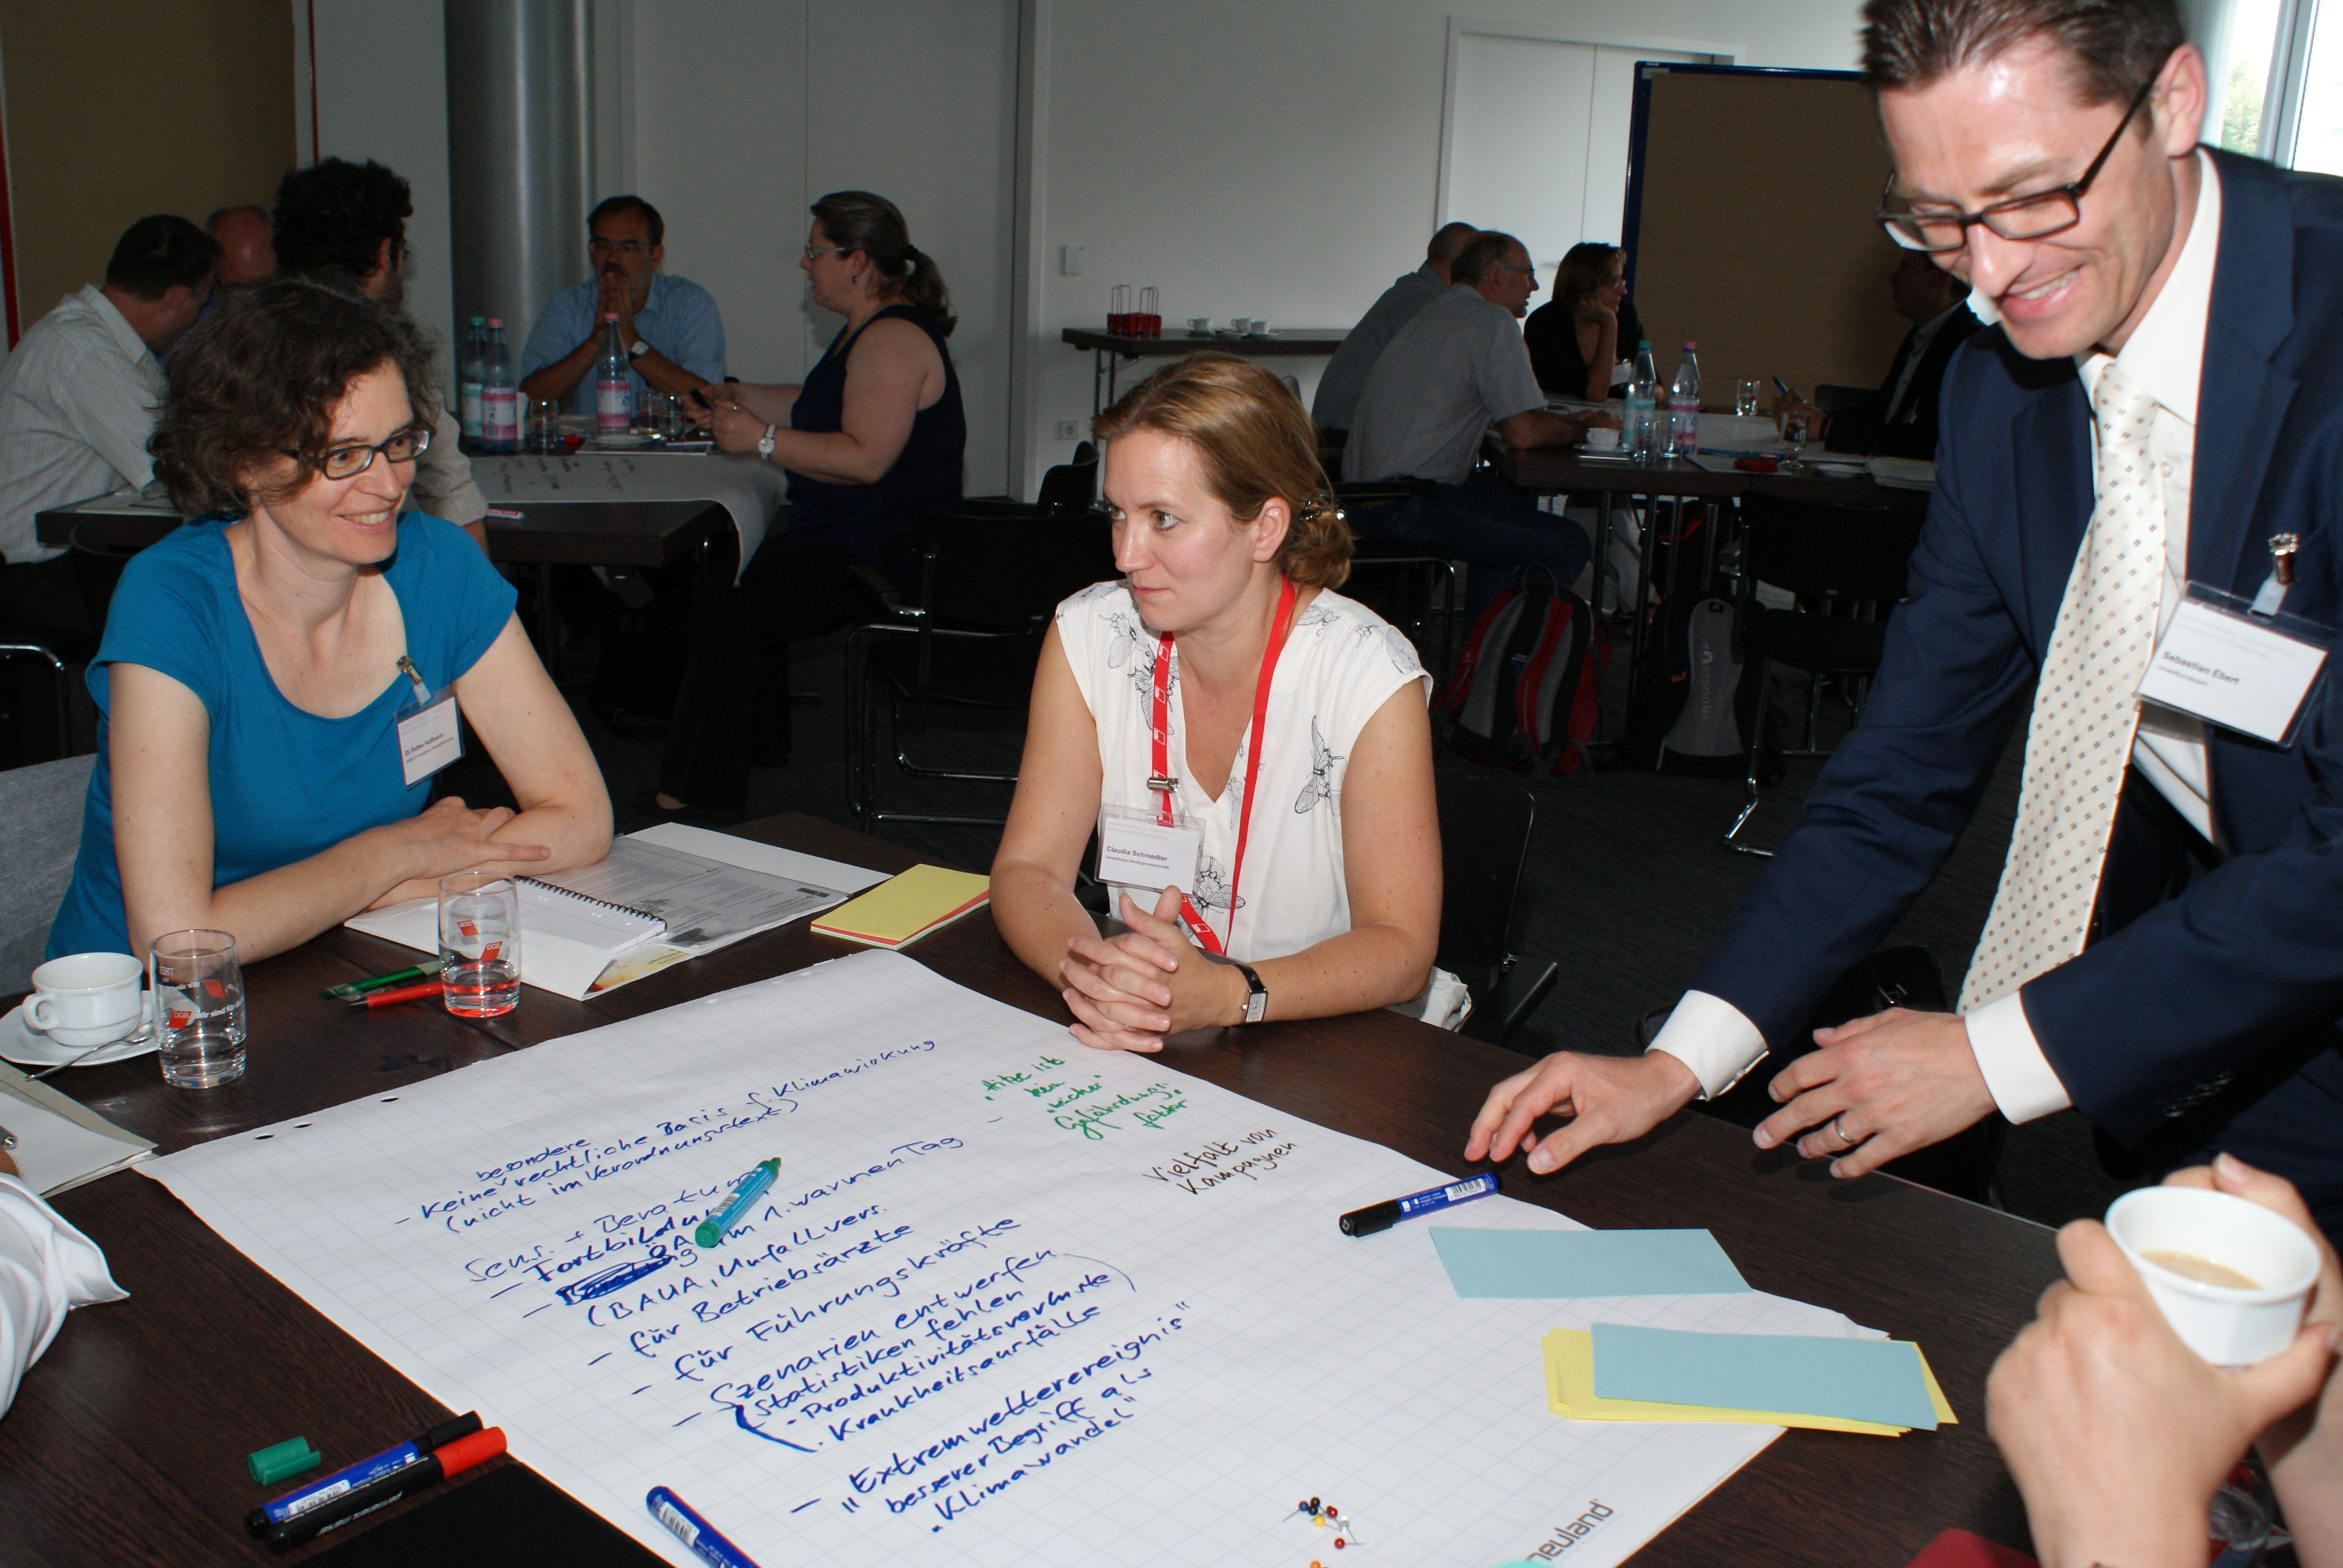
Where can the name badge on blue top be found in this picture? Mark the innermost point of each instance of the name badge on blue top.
(430, 736)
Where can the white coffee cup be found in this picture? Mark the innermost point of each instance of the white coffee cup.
(1602, 440)
(1240, 325)
(1259, 327)
(88, 998)
(1200, 324)
(2228, 1325)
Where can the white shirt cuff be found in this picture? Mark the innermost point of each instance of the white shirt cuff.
(2017, 1073)
(1713, 1038)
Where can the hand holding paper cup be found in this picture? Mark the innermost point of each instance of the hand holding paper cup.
(2231, 1277)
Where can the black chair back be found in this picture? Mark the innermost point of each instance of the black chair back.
(985, 573)
(1070, 486)
(1485, 838)
(1827, 549)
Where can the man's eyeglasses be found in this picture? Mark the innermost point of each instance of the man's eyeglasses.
(1940, 230)
(1509, 266)
(626, 247)
(349, 462)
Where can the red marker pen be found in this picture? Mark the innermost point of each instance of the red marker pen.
(453, 1460)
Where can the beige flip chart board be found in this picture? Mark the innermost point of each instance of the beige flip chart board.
(1749, 227)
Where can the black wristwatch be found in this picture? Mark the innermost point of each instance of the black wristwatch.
(1257, 1001)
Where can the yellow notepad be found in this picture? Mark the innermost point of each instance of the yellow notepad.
(903, 908)
(1569, 1359)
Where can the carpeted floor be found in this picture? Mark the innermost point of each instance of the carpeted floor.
(1627, 884)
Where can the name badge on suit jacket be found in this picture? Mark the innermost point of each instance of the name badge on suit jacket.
(2226, 662)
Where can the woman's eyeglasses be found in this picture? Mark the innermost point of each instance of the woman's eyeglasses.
(349, 462)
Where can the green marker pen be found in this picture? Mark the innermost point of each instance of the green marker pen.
(752, 1187)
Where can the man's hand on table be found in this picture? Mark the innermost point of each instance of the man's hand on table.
(1609, 1099)
(2118, 1434)
(615, 299)
(1879, 1087)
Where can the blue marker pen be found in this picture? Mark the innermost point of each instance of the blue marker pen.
(301, 1500)
(614, 1278)
(1377, 1216)
(752, 1187)
(693, 1530)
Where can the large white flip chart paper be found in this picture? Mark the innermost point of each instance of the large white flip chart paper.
(1011, 1300)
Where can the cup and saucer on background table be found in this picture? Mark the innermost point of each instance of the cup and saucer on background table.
(80, 1004)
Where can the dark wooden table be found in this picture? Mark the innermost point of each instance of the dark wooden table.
(128, 1440)
(1110, 349)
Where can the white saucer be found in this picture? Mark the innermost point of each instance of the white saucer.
(1840, 471)
(618, 440)
(25, 1046)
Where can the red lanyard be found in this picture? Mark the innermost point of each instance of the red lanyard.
(1162, 783)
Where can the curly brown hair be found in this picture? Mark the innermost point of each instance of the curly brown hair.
(261, 375)
(1256, 441)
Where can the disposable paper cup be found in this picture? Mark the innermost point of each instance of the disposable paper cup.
(2228, 1326)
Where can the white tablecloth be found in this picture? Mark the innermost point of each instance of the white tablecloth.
(750, 490)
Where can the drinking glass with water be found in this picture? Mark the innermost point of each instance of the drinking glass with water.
(479, 943)
(198, 989)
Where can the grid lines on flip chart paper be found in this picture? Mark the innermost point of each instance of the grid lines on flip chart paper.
(1008, 1301)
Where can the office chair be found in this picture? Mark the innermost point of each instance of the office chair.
(1484, 839)
(1833, 556)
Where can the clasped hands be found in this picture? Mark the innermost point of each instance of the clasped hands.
(1128, 991)
(1878, 1088)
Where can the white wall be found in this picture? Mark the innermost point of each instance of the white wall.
(1286, 161)
(382, 94)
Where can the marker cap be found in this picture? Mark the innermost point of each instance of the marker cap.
(272, 1465)
(1367, 1221)
(466, 1452)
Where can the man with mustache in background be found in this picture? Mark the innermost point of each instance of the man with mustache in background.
(674, 336)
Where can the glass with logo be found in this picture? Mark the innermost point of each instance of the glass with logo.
(198, 989)
(479, 944)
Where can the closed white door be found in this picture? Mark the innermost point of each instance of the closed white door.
(1537, 139)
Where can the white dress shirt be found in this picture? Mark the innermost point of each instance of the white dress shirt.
(2164, 357)
(46, 1269)
(78, 399)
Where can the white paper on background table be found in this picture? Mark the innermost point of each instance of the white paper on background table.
(1011, 1300)
(751, 491)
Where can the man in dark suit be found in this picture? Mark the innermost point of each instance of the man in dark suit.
(1899, 420)
(2160, 405)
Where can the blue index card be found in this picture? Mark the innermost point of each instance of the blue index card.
(1855, 1379)
(1556, 1265)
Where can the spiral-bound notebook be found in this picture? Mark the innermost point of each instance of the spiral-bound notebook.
(646, 906)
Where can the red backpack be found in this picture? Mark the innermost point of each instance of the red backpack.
(1525, 692)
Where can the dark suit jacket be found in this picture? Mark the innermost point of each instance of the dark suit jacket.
(1908, 429)
(2219, 1006)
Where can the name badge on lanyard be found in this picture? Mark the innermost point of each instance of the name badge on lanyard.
(430, 736)
(2238, 663)
(1137, 851)
(1173, 838)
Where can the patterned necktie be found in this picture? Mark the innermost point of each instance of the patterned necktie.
(2085, 711)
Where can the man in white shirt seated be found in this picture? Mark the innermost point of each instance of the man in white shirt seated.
(46, 1269)
(78, 398)
(1458, 369)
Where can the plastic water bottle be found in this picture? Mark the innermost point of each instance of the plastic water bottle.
(499, 397)
(614, 386)
(1639, 435)
(467, 378)
(1683, 405)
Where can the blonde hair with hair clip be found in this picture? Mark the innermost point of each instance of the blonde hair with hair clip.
(1255, 441)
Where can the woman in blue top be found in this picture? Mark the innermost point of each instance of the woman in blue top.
(252, 671)
(873, 438)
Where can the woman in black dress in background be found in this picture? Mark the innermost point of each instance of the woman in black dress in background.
(874, 437)
(1577, 338)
